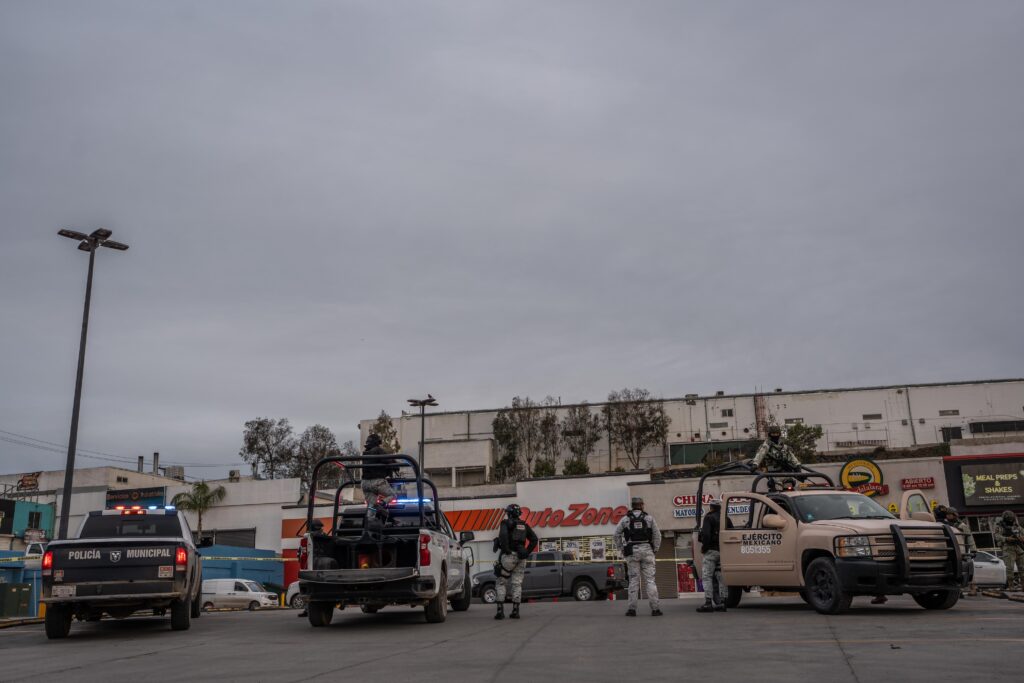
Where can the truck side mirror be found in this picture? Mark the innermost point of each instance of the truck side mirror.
(466, 536)
(773, 521)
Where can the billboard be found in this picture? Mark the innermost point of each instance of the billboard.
(996, 484)
(144, 497)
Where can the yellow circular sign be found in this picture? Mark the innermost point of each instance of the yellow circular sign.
(863, 476)
(894, 508)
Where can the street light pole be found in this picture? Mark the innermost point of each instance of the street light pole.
(422, 404)
(86, 243)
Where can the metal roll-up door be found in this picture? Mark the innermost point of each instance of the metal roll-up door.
(239, 538)
(666, 574)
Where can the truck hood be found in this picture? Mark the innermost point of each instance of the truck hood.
(870, 526)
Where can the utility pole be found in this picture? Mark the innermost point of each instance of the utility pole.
(422, 404)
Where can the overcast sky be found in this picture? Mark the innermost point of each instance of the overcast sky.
(334, 206)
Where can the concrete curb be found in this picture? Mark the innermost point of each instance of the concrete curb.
(20, 622)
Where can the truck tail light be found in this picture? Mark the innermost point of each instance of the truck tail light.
(181, 559)
(365, 562)
(611, 572)
(303, 552)
(47, 563)
(424, 550)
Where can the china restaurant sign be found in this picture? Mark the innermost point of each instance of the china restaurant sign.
(575, 515)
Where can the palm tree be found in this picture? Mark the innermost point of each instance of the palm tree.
(200, 499)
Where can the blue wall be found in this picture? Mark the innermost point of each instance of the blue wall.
(265, 566)
(21, 510)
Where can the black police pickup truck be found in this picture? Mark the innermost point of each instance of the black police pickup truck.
(123, 561)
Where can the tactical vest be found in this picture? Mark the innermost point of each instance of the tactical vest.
(517, 534)
(638, 530)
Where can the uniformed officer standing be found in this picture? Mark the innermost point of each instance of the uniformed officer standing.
(638, 538)
(775, 455)
(516, 540)
(1010, 537)
(711, 569)
(375, 477)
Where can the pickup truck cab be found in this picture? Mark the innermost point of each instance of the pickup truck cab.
(831, 545)
(123, 561)
(415, 559)
(552, 574)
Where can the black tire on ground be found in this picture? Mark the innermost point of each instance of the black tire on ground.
(436, 610)
(96, 616)
(58, 622)
(207, 606)
(937, 599)
(298, 602)
(803, 596)
(584, 591)
(181, 615)
(488, 593)
(369, 609)
(733, 596)
(824, 592)
(253, 606)
(462, 603)
(320, 613)
(197, 605)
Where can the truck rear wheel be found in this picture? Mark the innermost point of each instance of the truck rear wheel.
(320, 613)
(733, 596)
(58, 621)
(584, 591)
(824, 592)
(462, 603)
(937, 599)
(436, 610)
(181, 615)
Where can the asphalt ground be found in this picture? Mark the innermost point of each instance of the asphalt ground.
(769, 639)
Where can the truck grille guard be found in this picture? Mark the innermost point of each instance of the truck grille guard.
(904, 553)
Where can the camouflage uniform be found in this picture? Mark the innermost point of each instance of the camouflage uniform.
(1008, 538)
(376, 487)
(510, 570)
(711, 572)
(641, 563)
(779, 457)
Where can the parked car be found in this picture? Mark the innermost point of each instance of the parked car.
(989, 570)
(236, 593)
(34, 555)
(123, 561)
(552, 574)
(293, 598)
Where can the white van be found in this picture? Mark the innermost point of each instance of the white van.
(236, 594)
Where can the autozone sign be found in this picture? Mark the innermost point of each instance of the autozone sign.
(575, 515)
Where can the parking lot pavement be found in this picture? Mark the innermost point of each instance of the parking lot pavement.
(775, 639)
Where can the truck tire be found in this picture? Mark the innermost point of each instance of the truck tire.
(320, 613)
(584, 591)
(207, 606)
(197, 605)
(462, 603)
(937, 599)
(824, 592)
(436, 610)
(58, 621)
(181, 615)
(733, 596)
(488, 593)
(253, 606)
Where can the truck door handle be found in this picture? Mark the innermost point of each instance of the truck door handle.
(731, 540)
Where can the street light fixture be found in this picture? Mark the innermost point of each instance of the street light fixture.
(422, 404)
(89, 243)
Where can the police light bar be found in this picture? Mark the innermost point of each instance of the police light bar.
(169, 507)
(406, 501)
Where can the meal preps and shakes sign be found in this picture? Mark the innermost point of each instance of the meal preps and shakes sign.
(999, 484)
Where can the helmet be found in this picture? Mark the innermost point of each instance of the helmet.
(513, 511)
(715, 503)
(774, 430)
(373, 440)
(636, 501)
(952, 511)
(1009, 517)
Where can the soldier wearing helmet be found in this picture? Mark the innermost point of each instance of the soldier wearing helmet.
(1010, 537)
(638, 538)
(516, 540)
(775, 455)
(711, 567)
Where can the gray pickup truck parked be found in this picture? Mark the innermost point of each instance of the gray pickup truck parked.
(552, 574)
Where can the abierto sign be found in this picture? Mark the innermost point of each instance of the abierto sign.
(998, 484)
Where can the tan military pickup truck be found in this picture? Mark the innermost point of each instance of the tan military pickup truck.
(831, 545)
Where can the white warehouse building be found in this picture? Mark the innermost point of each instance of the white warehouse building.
(460, 448)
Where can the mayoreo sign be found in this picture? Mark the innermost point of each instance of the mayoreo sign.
(691, 511)
(863, 476)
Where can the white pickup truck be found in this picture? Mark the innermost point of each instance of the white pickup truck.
(413, 559)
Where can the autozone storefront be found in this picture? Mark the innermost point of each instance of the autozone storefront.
(572, 514)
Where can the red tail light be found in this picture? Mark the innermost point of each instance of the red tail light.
(424, 550)
(48, 560)
(181, 559)
(611, 572)
(365, 561)
(303, 552)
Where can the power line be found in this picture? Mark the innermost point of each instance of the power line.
(31, 442)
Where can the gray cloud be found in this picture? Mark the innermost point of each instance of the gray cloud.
(334, 206)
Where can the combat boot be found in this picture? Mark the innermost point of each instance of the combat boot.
(501, 612)
(708, 606)
(631, 612)
(656, 612)
(720, 607)
(515, 611)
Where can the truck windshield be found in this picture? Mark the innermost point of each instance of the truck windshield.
(838, 506)
(108, 526)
